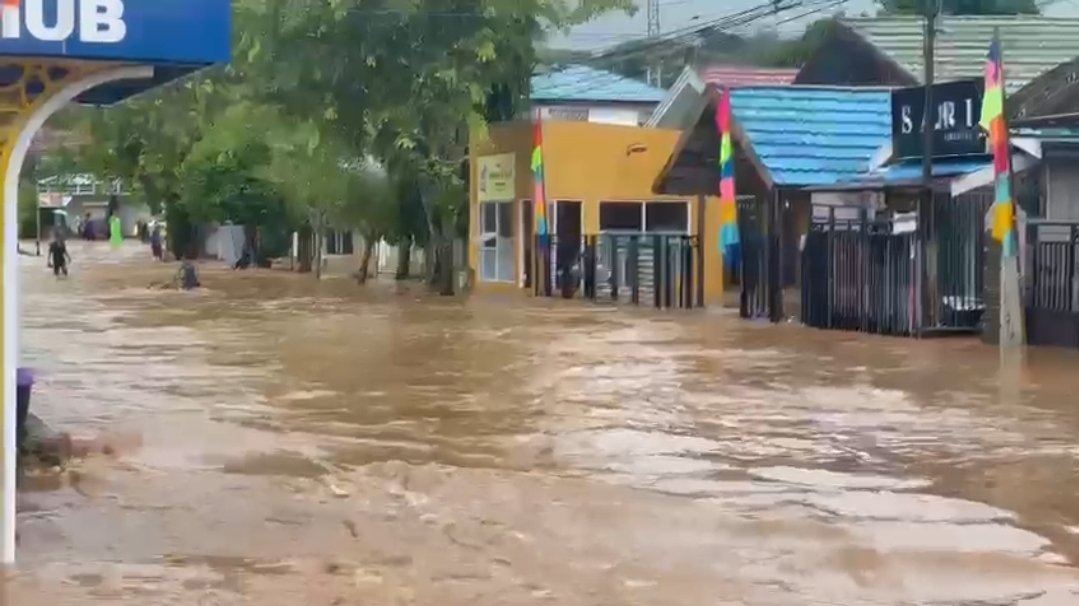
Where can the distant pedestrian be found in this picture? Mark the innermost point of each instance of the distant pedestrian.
(156, 244)
(59, 258)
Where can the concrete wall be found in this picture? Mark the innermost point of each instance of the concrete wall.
(130, 212)
(590, 163)
(1062, 189)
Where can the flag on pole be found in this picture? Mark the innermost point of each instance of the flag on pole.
(539, 196)
(993, 122)
(728, 202)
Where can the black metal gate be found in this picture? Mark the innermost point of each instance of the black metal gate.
(658, 270)
(893, 276)
(956, 259)
(1052, 283)
(859, 275)
(754, 276)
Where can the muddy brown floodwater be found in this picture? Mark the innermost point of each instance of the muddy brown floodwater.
(284, 442)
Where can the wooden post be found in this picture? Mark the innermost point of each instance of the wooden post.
(700, 249)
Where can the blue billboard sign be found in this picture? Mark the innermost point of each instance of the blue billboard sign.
(178, 32)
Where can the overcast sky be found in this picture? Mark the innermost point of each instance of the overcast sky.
(676, 14)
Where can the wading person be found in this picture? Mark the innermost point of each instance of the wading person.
(189, 276)
(59, 258)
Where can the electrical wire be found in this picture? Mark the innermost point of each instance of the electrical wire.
(740, 19)
(722, 23)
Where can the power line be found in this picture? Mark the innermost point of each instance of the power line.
(723, 23)
(735, 20)
(835, 4)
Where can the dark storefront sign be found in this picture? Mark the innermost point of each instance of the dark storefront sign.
(958, 108)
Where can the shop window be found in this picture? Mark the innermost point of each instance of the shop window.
(667, 217)
(621, 216)
(496, 242)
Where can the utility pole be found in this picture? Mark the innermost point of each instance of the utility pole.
(655, 70)
(925, 200)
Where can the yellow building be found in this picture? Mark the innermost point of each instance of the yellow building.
(599, 180)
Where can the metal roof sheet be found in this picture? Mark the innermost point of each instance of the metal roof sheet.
(1032, 45)
(806, 136)
(580, 83)
(911, 172)
(733, 75)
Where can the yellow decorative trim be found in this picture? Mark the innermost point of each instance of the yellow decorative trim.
(25, 86)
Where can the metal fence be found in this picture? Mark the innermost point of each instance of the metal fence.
(956, 260)
(1052, 283)
(859, 275)
(659, 270)
(753, 276)
(894, 276)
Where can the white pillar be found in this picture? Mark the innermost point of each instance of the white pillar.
(31, 124)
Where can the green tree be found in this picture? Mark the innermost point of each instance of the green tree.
(795, 52)
(408, 81)
(963, 7)
(321, 96)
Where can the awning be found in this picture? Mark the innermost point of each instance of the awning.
(963, 175)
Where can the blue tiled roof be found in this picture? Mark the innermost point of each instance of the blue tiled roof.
(808, 136)
(579, 83)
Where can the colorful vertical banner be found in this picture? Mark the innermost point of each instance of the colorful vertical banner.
(993, 121)
(539, 196)
(728, 201)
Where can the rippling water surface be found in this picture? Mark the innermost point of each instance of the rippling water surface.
(327, 444)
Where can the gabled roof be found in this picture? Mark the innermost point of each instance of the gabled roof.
(813, 136)
(582, 84)
(798, 136)
(685, 99)
(740, 75)
(1032, 45)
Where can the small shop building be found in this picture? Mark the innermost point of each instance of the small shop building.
(788, 140)
(611, 237)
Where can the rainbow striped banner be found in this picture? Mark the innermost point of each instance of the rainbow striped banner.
(1003, 216)
(728, 202)
(539, 196)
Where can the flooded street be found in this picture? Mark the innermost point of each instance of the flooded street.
(279, 441)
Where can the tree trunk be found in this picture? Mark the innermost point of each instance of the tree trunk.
(430, 259)
(304, 248)
(251, 243)
(445, 256)
(369, 243)
(319, 244)
(404, 259)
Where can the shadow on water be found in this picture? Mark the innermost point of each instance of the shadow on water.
(327, 441)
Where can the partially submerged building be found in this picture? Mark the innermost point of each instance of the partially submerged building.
(866, 256)
(788, 141)
(611, 237)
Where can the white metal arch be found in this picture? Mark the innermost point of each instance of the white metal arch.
(31, 126)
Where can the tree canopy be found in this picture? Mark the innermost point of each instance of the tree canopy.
(359, 111)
